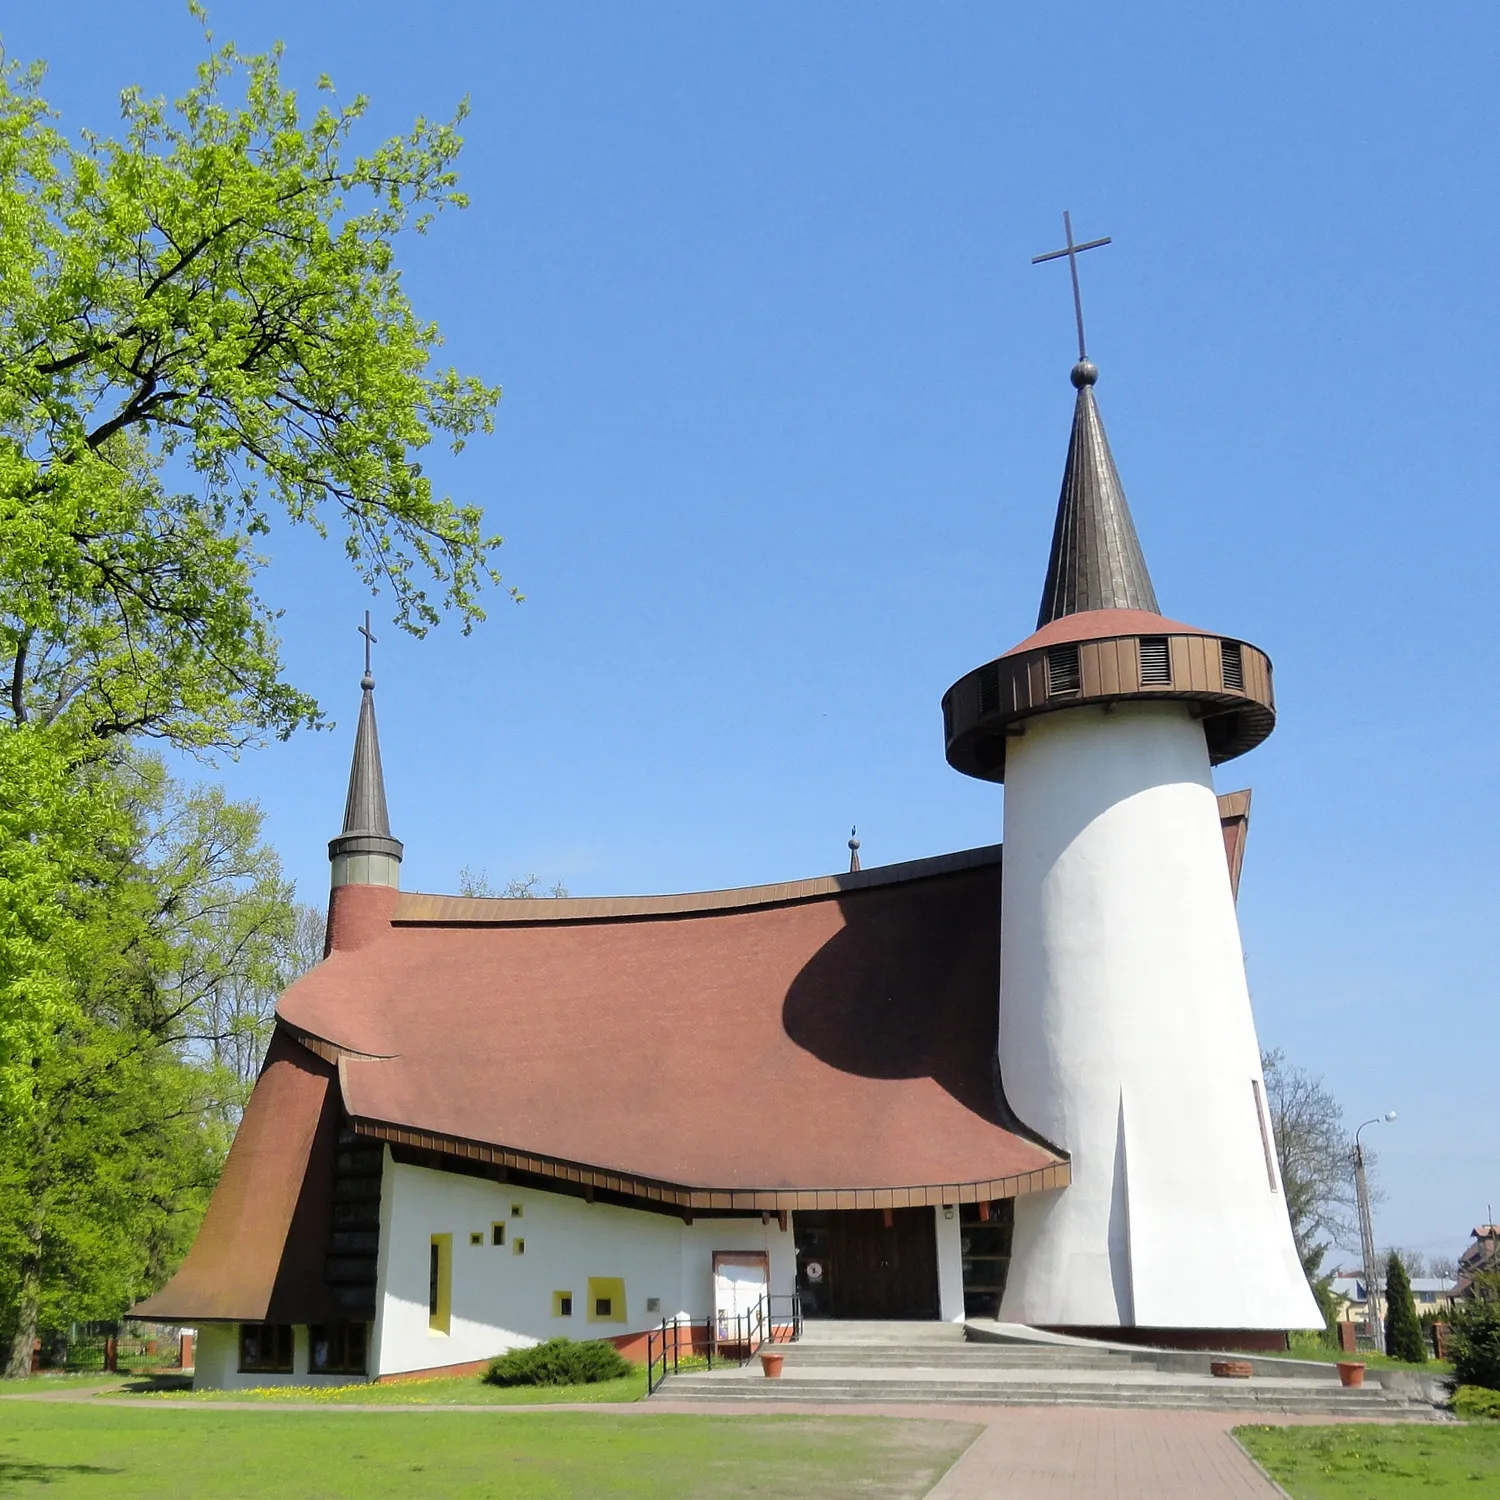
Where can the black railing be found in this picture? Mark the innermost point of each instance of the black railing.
(729, 1338)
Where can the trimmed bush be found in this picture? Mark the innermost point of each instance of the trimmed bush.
(559, 1362)
(1475, 1404)
(1403, 1334)
(1474, 1334)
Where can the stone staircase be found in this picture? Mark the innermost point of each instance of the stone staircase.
(836, 1363)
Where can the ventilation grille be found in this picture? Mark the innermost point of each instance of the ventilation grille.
(1156, 662)
(989, 689)
(1063, 675)
(1233, 665)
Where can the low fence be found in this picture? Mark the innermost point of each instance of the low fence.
(122, 1354)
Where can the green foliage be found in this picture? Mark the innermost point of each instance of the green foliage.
(121, 1105)
(1476, 1403)
(1474, 1334)
(559, 1362)
(1403, 1333)
(1328, 1304)
(202, 330)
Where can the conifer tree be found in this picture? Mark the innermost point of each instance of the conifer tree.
(1403, 1333)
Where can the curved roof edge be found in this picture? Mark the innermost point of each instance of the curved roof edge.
(417, 908)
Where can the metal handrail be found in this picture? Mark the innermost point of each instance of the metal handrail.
(744, 1332)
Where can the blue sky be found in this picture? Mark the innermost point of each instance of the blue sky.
(784, 419)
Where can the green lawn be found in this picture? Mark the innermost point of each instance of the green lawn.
(452, 1390)
(117, 1450)
(1358, 1462)
(1319, 1351)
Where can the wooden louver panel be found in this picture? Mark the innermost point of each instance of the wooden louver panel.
(1156, 661)
(1063, 673)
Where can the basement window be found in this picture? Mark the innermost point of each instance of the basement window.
(1156, 661)
(337, 1348)
(1233, 663)
(1063, 673)
(266, 1348)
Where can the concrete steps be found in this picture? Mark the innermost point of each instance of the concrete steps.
(840, 1363)
(1301, 1397)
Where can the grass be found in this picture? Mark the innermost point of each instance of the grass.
(1359, 1462)
(121, 1451)
(1319, 1351)
(450, 1390)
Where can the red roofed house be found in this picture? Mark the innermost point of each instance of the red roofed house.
(487, 1122)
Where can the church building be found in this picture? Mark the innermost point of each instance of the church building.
(1020, 1084)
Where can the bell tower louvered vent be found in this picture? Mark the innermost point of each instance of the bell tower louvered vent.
(1156, 662)
(1233, 664)
(1063, 674)
(989, 688)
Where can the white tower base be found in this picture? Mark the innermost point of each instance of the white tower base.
(1126, 1038)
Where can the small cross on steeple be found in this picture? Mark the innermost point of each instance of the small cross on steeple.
(1072, 251)
(367, 681)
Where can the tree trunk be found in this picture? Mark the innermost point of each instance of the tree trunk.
(28, 1312)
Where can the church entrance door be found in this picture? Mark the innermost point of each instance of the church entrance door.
(867, 1263)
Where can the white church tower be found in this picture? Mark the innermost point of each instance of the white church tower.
(1126, 1036)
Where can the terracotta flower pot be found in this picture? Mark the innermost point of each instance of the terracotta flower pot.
(1351, 1372)
(1231, 1369)
(771, 1364)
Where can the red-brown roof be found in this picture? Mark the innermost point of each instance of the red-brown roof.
(260, 1253)
(1101, 624)
(827, 1035)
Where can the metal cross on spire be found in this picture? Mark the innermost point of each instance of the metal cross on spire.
(364, 630)
(1072, 251)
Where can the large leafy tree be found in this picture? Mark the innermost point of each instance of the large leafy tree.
(129, 1102)
(203, 333)
(203, 336)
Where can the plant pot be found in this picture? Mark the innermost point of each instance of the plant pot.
(1231, 1369)
(771, 1365)
(1351, 1372)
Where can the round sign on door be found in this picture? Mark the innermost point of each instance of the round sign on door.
(813, 1270)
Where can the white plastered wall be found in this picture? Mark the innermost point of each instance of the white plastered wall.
(1126, 1037)
(216, 1362)
(950, 1264)
(501, 1300)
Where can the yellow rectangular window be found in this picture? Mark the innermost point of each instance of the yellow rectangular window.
(497, 1234)
(606, 1302)
(562, 1304)
(440, 1283)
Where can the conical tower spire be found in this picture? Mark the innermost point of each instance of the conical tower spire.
(1096, 560)
(365, 853)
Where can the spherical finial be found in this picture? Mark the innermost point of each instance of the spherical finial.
(1085, 372)
(367, 682)
(853, 842)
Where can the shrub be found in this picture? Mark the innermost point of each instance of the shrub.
(1475, 1404)
(1403, 1334)
(559, 1362)
(1474, 1335)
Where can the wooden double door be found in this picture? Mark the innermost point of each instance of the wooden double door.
(867, 1263)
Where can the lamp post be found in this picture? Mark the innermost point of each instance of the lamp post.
(1367, 1230)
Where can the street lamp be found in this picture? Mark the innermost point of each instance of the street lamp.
(1367, 1229)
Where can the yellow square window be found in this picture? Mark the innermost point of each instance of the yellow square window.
(562, 1304)
(606, 1303)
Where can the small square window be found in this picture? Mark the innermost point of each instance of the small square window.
(516, 1210)
(562, 1304)
(653, 1304)
(476, 1236)
(604, 1307)
(519, 1246)
(497, 1234)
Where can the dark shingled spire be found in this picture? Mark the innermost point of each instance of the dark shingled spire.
(367, 825)
(1096, 560)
